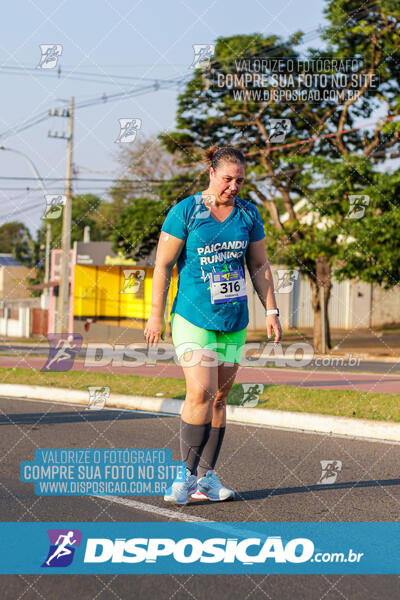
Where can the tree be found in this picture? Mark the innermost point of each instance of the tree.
(371, 250)
(14, 235)
(16, 239)
(323, 158)
(151, 181)
(86, 211)
(138, 226)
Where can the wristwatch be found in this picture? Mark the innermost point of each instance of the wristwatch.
(272, 311)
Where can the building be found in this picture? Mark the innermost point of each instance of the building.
(17, 307)
(109, 294)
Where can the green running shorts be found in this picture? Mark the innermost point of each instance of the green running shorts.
(187, 337)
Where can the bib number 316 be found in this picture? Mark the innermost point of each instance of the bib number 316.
(229, 286)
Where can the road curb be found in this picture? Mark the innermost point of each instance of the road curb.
(361, 428)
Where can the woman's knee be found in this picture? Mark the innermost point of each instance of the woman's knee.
(199, 396)
(220, 399)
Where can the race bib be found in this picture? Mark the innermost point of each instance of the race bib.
(229, 286)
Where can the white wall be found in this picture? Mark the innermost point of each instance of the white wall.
(352, 305)
(16, 327)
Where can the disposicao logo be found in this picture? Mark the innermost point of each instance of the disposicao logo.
(62, 547)
(191, 550)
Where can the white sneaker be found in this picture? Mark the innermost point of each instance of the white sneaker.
(180, 489)
(209, 487)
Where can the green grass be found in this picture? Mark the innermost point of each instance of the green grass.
(80, 380)
(345, 403)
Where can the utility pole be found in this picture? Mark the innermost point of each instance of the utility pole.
(63, 294)
(47, 261)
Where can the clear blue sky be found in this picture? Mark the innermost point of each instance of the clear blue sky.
(143, 38)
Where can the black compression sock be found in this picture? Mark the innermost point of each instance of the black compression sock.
(193, 440)
(211, 450)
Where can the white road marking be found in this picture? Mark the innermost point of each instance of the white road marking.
(229, 529)
(158, 510)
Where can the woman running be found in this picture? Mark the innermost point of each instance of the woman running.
(209, 235)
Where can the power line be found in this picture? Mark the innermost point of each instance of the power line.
(24, 209)
(156, 85)
(26, 124)
(17, 212)
(94, 101)
(132, 93)
(55, 188)
(20, 70)
(73, 74)
(90, 179)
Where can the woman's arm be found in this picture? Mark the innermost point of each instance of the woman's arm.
(168, 251)
(261, 276)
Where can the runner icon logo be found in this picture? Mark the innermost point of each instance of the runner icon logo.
(330, 470)
(54, 206)
(251, 394)
(201, 210)
(133, 279)
(128, 130)
(357, 205)
(63, 543)
(50, 54)
(62, 351)
(278, 130)
(98, 396)
(202, 55)
(286, 280)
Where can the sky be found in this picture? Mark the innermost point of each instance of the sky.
(103, 44)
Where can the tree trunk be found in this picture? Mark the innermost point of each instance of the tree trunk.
(321, 277)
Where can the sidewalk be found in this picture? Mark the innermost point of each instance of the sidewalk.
(378, 345)
(363, 343)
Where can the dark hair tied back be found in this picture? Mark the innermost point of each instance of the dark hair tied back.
(216, 156)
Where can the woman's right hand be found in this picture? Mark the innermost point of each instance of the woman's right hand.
(155, 330)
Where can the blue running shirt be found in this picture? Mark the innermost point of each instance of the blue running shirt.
(212, 248)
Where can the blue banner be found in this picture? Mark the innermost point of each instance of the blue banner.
(204, 548)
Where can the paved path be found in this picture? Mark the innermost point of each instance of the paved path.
(337, 380)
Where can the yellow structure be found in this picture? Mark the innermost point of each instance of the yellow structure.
(105, 292)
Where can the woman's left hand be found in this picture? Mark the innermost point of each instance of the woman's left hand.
(273, 327)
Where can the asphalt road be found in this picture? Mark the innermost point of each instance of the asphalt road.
(274, 473)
